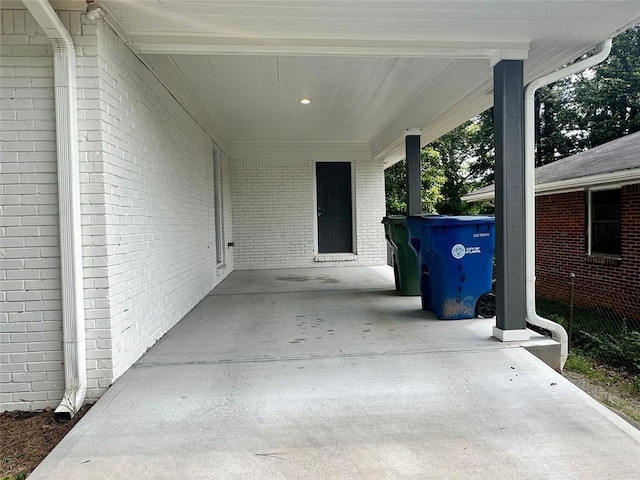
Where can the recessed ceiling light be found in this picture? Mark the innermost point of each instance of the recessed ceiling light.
(305, 101)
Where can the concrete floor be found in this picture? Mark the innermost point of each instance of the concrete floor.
(327, 374)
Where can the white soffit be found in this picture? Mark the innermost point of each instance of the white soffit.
(371, 68)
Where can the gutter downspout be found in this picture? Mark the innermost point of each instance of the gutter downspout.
(73, 323)
(557, 331)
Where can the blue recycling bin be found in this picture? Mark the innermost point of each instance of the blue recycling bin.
(455, 260)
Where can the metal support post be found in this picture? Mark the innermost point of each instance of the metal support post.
(412, 147)
(508, 94)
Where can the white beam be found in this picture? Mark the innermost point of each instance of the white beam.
(186, 43)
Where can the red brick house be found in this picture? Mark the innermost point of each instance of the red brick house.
(588, 224)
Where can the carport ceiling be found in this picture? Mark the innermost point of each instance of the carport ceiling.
(372, 69)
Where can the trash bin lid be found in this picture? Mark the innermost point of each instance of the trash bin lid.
(446, 220)
(394, 219)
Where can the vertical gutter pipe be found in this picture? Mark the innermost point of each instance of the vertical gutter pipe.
(73, 323)
(558, 333)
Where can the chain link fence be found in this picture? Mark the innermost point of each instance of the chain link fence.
(599, 333)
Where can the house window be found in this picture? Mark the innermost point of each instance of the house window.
(604, 222)
(217, 206)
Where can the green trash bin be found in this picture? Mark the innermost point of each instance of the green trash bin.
(405, 262)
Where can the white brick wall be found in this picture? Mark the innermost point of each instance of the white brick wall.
(30, 307)
(370, 208)
(158, 174)
(99, 367)
(274, 214)
(227, 203)
(147, 197)
(146, 193)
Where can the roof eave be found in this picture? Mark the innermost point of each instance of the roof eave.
(611, 179)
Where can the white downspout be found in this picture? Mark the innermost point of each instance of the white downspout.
(557, 331)
(73, 328)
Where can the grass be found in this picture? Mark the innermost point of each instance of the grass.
(18, 476)
(616, 388)
(579, 364)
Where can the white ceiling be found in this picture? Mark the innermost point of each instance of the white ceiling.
(371, 68)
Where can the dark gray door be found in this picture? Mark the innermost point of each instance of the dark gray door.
(334, 207)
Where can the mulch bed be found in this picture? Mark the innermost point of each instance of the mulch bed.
(27, 437)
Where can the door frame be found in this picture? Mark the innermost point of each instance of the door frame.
(353, 207)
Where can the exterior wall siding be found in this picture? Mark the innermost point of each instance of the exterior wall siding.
(30, 296)
(158, 174)
(227, 218)
(146, 172)
(561, 245)
(274, 210)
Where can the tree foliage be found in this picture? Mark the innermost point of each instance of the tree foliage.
(460, 153)
(432, 179)
(555, 124)
(607, 99)
(452, 166)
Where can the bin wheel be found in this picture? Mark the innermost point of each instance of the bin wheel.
(486, 305)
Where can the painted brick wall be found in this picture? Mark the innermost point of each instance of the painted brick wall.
(561, 250)
(30, 306)
(370, 208)
(158, 174)
(227, 206)
(146, 193)
(92, 189)
(273, 210)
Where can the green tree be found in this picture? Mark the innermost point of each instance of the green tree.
(461, 152)
(607, 97)
(452, 166)
(481, 169)
(593, 107)
(395, 179)
(557, 133)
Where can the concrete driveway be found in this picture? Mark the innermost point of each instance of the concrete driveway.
(327, 374)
